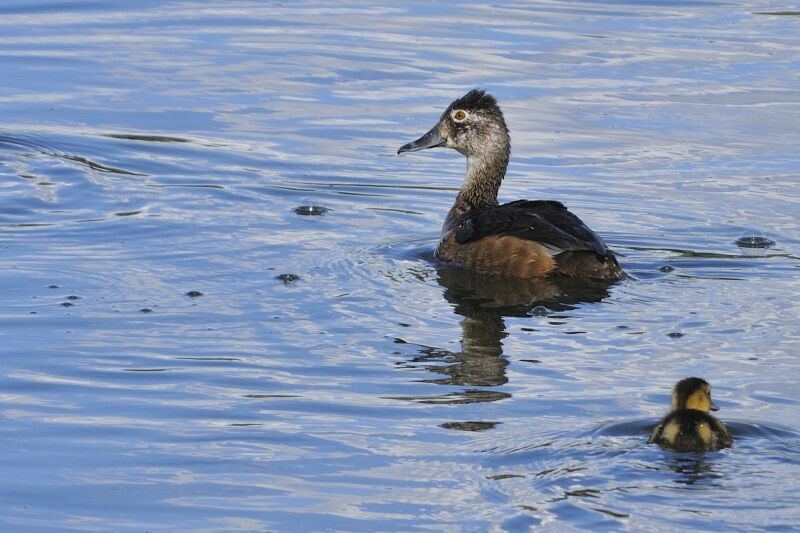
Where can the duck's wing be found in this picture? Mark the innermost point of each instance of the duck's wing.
(546, 222)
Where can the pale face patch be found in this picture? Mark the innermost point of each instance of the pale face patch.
(446, 132)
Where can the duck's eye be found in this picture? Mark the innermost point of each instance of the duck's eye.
(459, 115)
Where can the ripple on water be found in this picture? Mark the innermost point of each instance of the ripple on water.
(738, 429)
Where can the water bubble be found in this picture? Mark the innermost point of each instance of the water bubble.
(539, 310)
(287, 278)
(310, 208)
(194, 294)
(666, 268)
(754, 239)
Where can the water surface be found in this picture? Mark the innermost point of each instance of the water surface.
(181, 349)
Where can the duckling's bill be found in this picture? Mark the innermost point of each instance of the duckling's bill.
(432, 139)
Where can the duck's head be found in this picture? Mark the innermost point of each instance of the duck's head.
(472, 125)
(693, 393)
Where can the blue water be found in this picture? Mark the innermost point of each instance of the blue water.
(180, 349)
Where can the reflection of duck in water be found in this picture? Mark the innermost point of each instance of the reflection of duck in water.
(484, 301)
(522, 239)
(480, 361)
(689, 427)
(467, 289)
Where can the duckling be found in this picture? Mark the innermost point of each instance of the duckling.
(689, 427)
(522, 239)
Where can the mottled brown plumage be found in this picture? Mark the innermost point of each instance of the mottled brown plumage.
(522, 239)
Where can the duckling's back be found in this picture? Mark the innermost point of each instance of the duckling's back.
(690, 430)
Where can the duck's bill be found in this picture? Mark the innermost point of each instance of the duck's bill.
(714, 407)
(432, 139)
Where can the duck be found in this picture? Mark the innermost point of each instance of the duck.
(689, 427)
(524, 239)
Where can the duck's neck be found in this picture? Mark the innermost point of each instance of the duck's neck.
(479, 191)
(485, 172)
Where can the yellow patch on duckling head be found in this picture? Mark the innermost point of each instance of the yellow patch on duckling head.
(700, 399)
(692, 393)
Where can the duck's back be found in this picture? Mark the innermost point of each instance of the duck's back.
(688, 430)
(526, 239)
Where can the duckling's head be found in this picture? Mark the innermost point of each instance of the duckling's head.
(693, 393)
(472, 125)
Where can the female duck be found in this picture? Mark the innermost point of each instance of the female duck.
(522, 239)
(689, 427)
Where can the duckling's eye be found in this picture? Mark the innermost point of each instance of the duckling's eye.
(459, 115)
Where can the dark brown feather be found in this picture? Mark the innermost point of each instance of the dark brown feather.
(546, 222)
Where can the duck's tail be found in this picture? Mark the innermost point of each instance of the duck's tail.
(589, 265)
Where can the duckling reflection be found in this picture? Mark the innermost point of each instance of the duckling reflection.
(691, 470)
